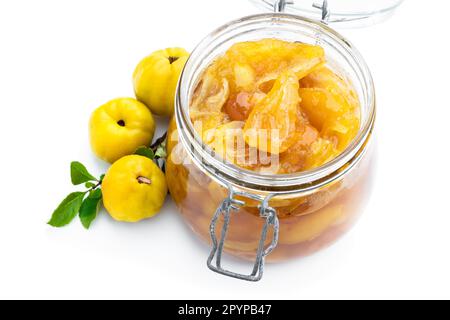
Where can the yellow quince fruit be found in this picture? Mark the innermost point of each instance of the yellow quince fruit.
(156, 77)
(134, 188)
(119, 127)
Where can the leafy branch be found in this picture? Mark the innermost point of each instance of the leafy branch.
(157, 151)
(86, 203)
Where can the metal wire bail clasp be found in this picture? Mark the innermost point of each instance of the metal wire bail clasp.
(280, 5)
(325, 11)
(271, 220)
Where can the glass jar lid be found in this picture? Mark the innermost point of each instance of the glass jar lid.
(348, 13)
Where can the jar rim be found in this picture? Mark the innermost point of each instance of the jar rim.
(228, 173)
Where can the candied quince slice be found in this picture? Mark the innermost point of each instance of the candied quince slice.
(273, 56)
(239, 106)
(311, 226)
(211, 94)
(244, 76)
(294, 159)
(228, 142)
(321, 105)
(205, 122)
(271, 125)
(325, 78)
(332, 114)
(342, 130)
(320, 152)
(332, 105)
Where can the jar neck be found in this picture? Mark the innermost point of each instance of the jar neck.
(230, 174)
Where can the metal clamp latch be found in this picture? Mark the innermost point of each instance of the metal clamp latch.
(279, 6)
(265, 211)
(325, 11)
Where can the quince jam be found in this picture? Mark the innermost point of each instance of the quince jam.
(273, 107)
(278, 99)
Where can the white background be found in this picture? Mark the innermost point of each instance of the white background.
(61, 59)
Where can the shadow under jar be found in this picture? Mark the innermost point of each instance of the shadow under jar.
(272, 216)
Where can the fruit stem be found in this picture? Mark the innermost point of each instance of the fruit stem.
(96, 186)
(158, 142)
(144, 180)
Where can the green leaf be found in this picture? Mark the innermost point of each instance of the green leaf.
(79, 174)
(102, 177)
(90, 207)
(145, 152)
(89, 185)
(67, 210)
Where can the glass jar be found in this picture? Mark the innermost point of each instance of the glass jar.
(252, 215)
